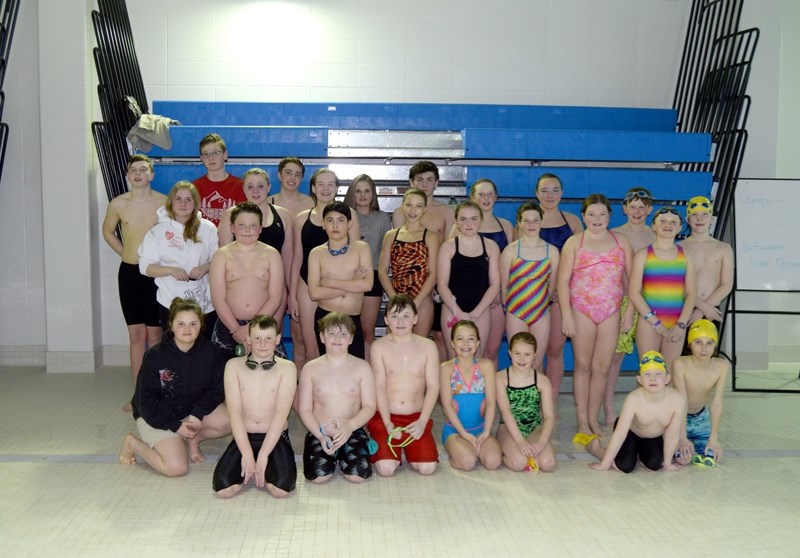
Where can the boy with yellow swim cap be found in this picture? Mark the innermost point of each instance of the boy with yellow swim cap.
(697, 376)
(649, 425)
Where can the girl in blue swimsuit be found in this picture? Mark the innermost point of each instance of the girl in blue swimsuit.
(483, 193)
(557, 227)
(467, 394)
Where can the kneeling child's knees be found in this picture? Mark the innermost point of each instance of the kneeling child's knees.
(516, 463)
(385, 468)
(276, 492)
(355, 479)
(547, 464)
(492, 462)
(425, 468)
(176, 470)
(464, 463)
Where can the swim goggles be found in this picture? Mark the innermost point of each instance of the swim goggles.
(697, 204)
(704, 461)
(340, 251)
(252, 364)
(637, 195)
(326, 432)
(664, 210)
(403, 443)
(652, 358)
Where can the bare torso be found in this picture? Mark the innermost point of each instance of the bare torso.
(343, 267)
(699, 379)
(293, 204)
(652, 415)
(247, 277)
(136, 215)
(710, 258)
(639, 238)
(405, 365)
(336, 387)
(258, 390)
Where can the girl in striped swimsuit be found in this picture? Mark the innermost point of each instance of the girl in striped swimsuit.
(527, 271)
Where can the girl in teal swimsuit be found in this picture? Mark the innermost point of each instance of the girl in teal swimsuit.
(524, 398)
(467, 394)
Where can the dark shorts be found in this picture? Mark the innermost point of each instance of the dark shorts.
(281, 468)
(437, 316)
(418, 451)
(356, 347)
(650, 451)
(222, 338)
(137, 296)
(352, 457)
(377, 289)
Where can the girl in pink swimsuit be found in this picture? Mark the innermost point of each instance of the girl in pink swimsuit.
(592, 278)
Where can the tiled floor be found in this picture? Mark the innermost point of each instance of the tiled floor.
(65, 495)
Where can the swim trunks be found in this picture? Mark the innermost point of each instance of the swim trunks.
(469, 278)
(526, 405)
(663, 283)
(353, 457)
(356, 347)
(137, 296)
(418, 451)
(698, 429)
(650, 451)
(596, 286)
(409, 263)
(469, 400)
(528, 296)
(377, 289)
(281, 469)
(626, 338)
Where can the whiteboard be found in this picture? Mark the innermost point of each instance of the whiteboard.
(767, 248)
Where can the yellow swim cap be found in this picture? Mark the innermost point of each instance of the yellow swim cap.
(702, 328)
(698, 204)
(652, 360)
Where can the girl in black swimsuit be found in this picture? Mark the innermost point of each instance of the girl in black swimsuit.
(468, 275)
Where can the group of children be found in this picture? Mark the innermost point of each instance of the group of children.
(464, 274)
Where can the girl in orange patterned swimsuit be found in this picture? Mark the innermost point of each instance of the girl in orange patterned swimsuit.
(410, 252)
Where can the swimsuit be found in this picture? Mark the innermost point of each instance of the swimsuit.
(596, 285)
(698, 429)
(469, 278)
(418, 451)
(526, 405)
(281, 469)
(409, 263)
(498, 236)
(311, 236)
(663, 283)
(137, 296)
(469, 400)
(274, 235)
(557, 236)
(353, 457)
(528, 295)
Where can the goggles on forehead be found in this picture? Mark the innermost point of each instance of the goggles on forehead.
(652, 358)
(664, 210)
(695, 205)
(637, 195)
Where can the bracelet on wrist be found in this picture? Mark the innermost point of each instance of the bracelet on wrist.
(649, 315)
(656, 324)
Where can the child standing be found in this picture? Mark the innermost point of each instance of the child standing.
(525, 402)
(467, 394)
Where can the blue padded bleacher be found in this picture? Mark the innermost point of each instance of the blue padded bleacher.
(249, 141)
(416, 116)
(586, 145)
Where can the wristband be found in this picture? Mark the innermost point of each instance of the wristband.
(681, 325)
(656, 324)
(649, 315)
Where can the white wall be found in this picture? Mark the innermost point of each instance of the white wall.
(585, 52)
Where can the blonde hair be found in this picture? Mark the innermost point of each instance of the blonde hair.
(191, 226)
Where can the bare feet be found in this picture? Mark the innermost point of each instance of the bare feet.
(195, 455)
(596, 429)
(126, 408)
(127, 451)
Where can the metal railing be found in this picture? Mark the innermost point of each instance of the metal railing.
(9, 9)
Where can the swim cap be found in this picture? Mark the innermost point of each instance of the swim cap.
(698, 204)
(702, 328)
(652, 360)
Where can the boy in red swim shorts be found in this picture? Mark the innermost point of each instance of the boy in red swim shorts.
(406, 368)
